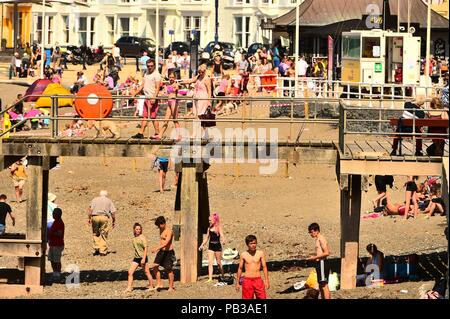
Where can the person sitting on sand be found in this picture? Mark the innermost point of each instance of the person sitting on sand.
(165, 255)
(376, 259)
(436, 203)
(140, 258)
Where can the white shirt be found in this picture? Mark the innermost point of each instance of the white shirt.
(116, 52)
(150, 84)
(302, 67)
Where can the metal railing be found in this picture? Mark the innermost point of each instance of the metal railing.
(374, 124)
(121, 109)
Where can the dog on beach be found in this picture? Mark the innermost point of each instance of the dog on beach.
(230, 108)
(106, 126)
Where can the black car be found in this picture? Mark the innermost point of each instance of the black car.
(178, 46)
(134, 46)
(255, 46)
(228, 50)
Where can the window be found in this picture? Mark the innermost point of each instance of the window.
(110, 22)
(351, 47)
(191, 23)
(371, 47)
(65, 29)
(38, 29)
(82, 29)
(124, 26)
(242, 33)
(86, 30)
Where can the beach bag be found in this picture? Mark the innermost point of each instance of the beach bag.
(228, 279)
(311, 282)
(208, 115)
(333, 281)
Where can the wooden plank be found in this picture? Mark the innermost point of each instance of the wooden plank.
(355, 151)
(32, 271)
(350, 223)
(349, 265)
(177, 210)
(189, 226)
(383, 167)
(12, 291)
(19, 248)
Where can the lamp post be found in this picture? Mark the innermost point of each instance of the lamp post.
(43, 40)
(297, 31)
(216, 34)
(427, 61)
(157, 36)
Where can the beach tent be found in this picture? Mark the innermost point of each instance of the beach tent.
(55, 89)
(37, 88)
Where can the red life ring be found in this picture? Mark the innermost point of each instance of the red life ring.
(93, 101)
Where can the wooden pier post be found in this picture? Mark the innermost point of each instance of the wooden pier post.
(194, 210)
(36, 208)
(350, 222)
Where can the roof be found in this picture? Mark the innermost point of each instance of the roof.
(325, 12)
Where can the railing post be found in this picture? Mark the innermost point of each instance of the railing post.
(342, 123)
(292, 118)
(414, 133)
(54, 116)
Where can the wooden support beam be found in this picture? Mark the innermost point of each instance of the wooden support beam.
(36, 208)
(20, 248)
(190, 239)
(203, 200)
(12, 291)
(177, 211)
(350, 222)
(7, 161)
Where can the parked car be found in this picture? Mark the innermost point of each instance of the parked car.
(178, 46)
(255, 46)
(131, 46)
(228, 49)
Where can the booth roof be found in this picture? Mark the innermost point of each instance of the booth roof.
(326, 12)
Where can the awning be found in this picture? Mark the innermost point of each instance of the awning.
(324, 12)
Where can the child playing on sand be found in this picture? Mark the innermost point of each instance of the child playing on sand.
(140, 258)
(320, 257)
(252, 260)
(162, 164)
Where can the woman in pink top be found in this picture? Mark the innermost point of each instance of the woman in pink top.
(202, 91)
(172, 108)
(222, 90)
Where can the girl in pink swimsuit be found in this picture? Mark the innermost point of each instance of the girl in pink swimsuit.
(172, 108)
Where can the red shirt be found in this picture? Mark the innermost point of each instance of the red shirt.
(53, 238)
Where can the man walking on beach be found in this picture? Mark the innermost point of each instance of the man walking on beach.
(322, 265)
(165, 256)
(252, 260)
(100, 210)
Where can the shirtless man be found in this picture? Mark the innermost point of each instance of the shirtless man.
(322, 266)
(252, 259)
(165, 255)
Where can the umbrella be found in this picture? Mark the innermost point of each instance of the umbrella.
(37, 88)
(54, 89)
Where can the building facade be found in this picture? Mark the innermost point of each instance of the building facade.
(95, 22)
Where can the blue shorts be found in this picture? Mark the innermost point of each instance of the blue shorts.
(2, 229)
